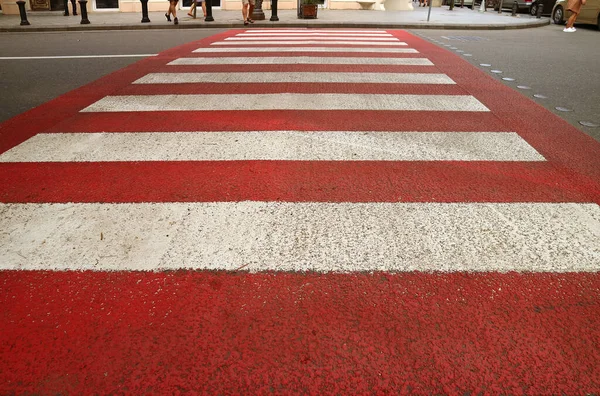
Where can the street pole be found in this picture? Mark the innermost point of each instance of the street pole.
(258, 14)
(429, 12)
(145, 18)
(274, 16)
(209, 17)
(84, 17)
(23, 13)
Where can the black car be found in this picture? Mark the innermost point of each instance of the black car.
(547, 7)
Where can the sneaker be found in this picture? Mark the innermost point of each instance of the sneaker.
(568, 30)
(176, 21)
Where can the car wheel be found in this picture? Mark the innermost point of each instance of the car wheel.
(533, 9)
(558, 15)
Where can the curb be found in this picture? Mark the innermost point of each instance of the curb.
(268, 24)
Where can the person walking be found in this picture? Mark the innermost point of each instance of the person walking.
(575, 7)
(172, 10)
(194, 5)
(247, 10)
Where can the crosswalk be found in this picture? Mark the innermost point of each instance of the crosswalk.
(306, 211)
(260, 74)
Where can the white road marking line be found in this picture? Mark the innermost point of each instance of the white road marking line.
(289, 42)
(308, 34)
(297, 60)
(367, 39)
(286, 101)
(295, 77)
(306, 30)
(309, 49)
(75, 57)
(273, 145)
(281, 236)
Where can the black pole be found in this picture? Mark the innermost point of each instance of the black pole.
(83, 7)
(209, 17)
(515, 7)
(451, 5)
(540, 8)
(23, 13)
(66, 8)
(74, 4)
(145, 18)
(274, 16)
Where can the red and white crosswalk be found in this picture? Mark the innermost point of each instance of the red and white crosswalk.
(362, 176)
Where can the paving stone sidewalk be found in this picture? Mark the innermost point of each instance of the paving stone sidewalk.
(440, 18)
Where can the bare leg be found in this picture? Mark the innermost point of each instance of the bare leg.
(245, 12)
(571, 20)
(204, 7)
(250, 11)
(192, 8)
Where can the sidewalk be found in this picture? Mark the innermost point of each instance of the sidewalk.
(441, 18)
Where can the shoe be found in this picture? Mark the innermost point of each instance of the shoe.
(246, 23)
(175, 21)
(573, 29)
(168, 17)
(250, 20)
(569, 30)
(192, 15)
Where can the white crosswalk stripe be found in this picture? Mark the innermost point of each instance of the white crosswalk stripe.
(297, 60)
(309, 34)
(274, 145)
(308, 49)
(315, 38)
(312, 41)
(297, 77)
(323, 237)
(286, 101)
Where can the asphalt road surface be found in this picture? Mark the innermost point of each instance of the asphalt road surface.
(27, 83)
(293, 211)
(562, 67)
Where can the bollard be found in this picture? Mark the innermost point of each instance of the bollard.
(145, 18)
(540, 8)
(274, 16)
(66, 8)
(258, 14)
(462, 3)
(83, 7)
(500, 6)
(23, 13)
(515, 7)
(209, 17)
(451, 5)
(74, 4)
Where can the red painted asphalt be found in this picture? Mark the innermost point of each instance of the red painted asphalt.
(237, 333)
(163, 333)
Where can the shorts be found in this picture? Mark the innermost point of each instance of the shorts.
(174, 1)
(244, 2)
